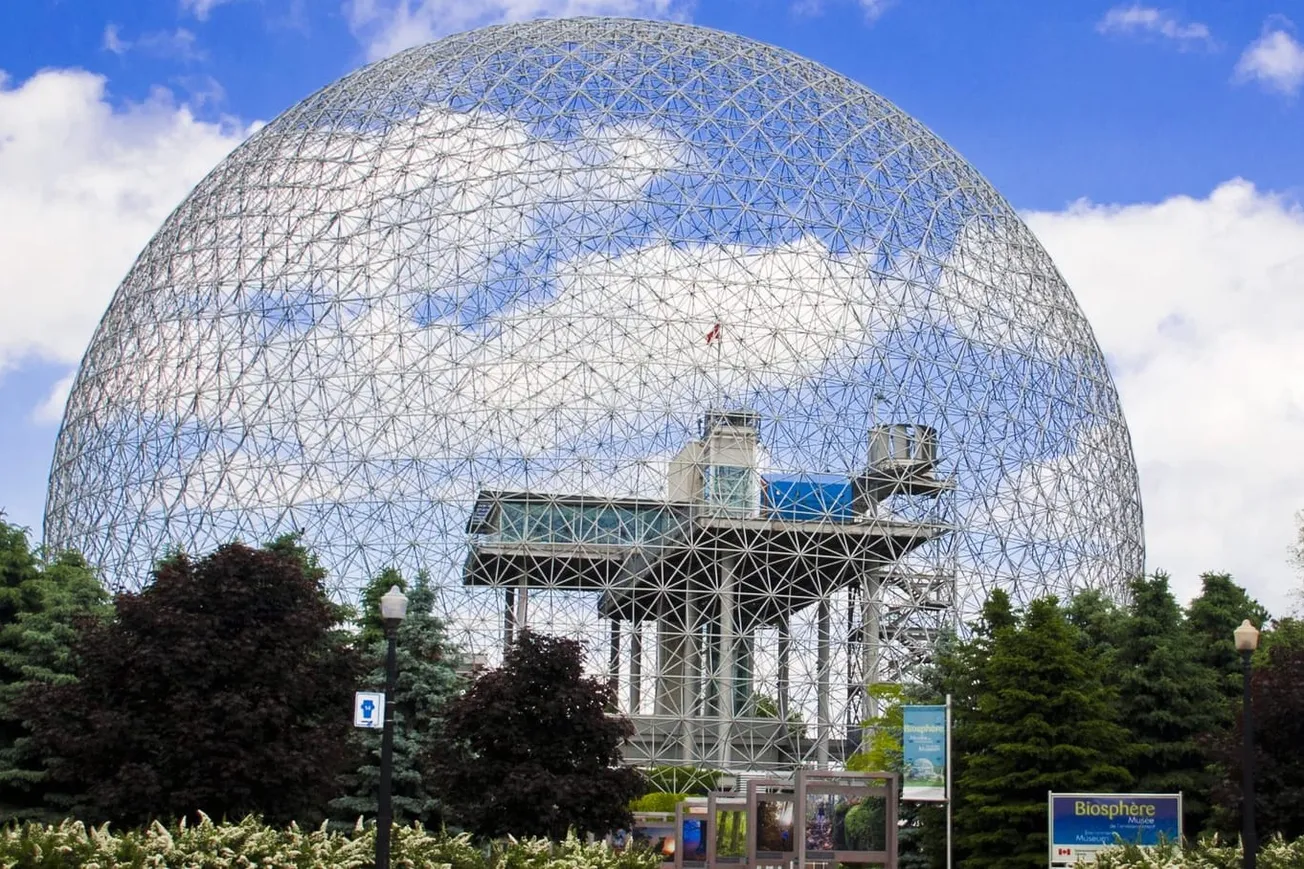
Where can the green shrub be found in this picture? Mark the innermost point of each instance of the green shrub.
(657, 802)
(1206, 854)
(73, 845)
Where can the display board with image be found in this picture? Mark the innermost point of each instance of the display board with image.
(771, 832)
(846, 817)
(728, 842)
(693, 826)
(652, 831)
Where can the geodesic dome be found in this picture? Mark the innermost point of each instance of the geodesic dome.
(636, 331)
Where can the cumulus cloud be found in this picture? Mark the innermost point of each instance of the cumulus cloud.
(179, 44)
(1138, 20)
(1275, 60)
(1198, 304)
(51, 410)
(83, 186)
(388, 26)
(201, 8)
(872, 9)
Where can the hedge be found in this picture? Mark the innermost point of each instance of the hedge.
(1208, 854)
(206, 845)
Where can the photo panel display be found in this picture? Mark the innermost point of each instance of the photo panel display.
(843, 822)
(846, 817)
(654, 833)
(774, 827)
(693, 837)
(729, 822)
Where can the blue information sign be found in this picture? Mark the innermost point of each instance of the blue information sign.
(1082, 824)
(923, 750)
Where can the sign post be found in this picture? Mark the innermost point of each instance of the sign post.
(926, 758)
(949, 798)
(369, 710)
(1081, 825)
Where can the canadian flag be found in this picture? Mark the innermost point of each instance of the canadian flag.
(1064, 852)
(714, 334)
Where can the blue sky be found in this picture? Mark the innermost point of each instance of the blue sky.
(1153, 148)
(1046, 99)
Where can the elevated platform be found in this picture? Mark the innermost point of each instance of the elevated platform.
(644, 556)
(754, 744)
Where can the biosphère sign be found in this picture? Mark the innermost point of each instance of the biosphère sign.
(1082, 824)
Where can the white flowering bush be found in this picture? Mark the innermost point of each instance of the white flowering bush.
(1208, 854)
(248, 844)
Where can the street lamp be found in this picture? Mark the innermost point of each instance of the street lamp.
(1247, 640)
(393, 607)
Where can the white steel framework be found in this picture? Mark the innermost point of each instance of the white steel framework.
(639, 332)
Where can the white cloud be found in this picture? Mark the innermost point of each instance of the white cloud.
(180, 44)
(83, 186)
(388, 26)
(1275, 60)
(51, 410)
(874, 9)
(201, 8)
(113, 40)
(1199, 303)
(1137, 19)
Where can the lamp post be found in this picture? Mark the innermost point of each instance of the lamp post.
(1247, 640)
(393, 607)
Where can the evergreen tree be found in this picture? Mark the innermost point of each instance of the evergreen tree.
(427, 679)
(222, 687)
(1169, 701)
(1212, 617)
(958, 669)
(44, 604)
(19, 593)
(529, 750)
(1043, 722)
(1098, 620)
(18, 572)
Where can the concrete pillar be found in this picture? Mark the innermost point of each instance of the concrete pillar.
(872, 605)
(725, 671)
(785, 654)
(613, 661)
(669, 687)
(509, 616)
(522, 606)
(635, 666)
(823, 725)
(692, 675)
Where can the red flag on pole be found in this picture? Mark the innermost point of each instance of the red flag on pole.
(714, 334)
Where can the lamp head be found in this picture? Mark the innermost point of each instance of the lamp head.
(1247, 637)
(393, 607)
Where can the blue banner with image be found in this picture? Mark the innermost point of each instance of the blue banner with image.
(923, 751)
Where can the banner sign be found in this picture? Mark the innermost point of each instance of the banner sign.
(1082, 824)
(923, 751)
